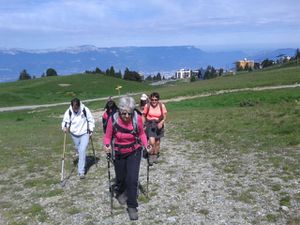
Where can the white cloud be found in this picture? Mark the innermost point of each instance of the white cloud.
(150, 22)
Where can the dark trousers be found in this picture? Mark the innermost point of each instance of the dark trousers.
(127, 170)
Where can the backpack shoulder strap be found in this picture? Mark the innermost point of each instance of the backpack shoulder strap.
(135, 121)
(161, 110)
(117, 127)
(138, 111)
(148, 108)
(88, 125)
(70, 115)
(84, 112)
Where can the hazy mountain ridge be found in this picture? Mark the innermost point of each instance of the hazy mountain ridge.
(146, 60)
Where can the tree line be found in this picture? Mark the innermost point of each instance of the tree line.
(24, 75)
(128, 74)
(208, 73)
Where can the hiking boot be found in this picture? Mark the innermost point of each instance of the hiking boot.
(81, 176)
(122, 198)
(151, 160)
(155, 159)
(133, 213)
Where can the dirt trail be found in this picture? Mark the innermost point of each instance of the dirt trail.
(220, 92)
(232, 91)
(187, 186)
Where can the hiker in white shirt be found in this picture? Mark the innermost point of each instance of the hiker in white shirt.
(79, 121)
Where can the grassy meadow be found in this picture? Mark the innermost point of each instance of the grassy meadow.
(63, 88)
(263, 124)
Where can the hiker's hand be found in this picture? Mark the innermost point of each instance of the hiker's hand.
(149, 148)
(65, 129)
(160, 125)
(107, 149)
(90, 132)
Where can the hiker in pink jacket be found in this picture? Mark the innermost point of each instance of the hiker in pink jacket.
(125, 130)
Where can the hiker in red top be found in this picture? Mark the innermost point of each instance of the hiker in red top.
(125, 130)
(154, 114)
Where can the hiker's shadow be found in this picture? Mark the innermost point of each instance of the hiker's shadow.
(90, 160)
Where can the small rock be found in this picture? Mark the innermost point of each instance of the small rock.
(172, 219)
(284, 208)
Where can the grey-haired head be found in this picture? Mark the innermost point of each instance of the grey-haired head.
(126, 104)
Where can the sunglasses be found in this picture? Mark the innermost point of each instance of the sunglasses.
(154, 100)
(125, 113)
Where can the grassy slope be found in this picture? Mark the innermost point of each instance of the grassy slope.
(289, 75)
(239, 124)
(49, 89)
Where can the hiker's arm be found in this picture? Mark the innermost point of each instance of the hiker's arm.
(109, 132)
(142, 134)
(161, 123)
(65, 122)
(90, 119)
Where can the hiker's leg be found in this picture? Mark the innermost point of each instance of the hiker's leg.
(120, 171)
(133, 168)
(157, 146)
(76, 141)
(152, 143)
(84, 141)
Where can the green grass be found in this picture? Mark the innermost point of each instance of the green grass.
(52, 89)
(223, 120)
(270, 128)
(289, 75)
(265, 124)
(49, 89)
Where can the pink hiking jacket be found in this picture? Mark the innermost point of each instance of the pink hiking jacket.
(125, 138)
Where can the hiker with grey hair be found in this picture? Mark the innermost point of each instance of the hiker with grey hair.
(126, 130)
(79, 121)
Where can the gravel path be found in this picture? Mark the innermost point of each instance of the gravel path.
(189, 185)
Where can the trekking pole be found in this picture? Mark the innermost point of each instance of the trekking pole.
(63, 158)
(147, 187)
(108, 157)
(94, 153)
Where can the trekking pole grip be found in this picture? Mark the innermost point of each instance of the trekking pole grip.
(108, 156)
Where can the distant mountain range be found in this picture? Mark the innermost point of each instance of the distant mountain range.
(146, 60)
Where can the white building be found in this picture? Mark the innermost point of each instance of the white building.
(184, 73)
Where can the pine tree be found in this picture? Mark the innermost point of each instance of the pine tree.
(24, 75)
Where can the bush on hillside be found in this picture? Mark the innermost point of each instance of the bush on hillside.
(132, 75)
(51, 72)
(24, 75)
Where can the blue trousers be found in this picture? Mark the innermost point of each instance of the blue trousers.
(81, 144)
(127, 170)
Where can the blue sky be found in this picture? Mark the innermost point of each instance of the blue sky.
(208, 24)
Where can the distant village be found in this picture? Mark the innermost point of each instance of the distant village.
(240, 65)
